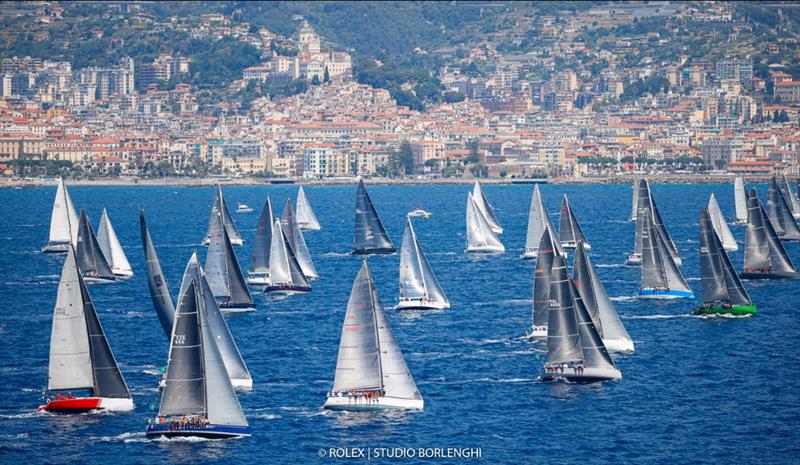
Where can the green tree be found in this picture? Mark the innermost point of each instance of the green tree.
(327, 76)
(406, 157)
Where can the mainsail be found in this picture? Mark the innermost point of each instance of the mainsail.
(223, 272)
(538, 220)
(221, 207)
(563, 341)
(91, 260)
(485, 208)
(741, 201)
(159, 291)
(296, 240)
(112, 250)
(417, 281)
(63, 220)
(305, 215)
(283, 266)
(569, 231)
(720, 226)
(593, 351)
(719, 280)
(541, 279)
(480, 236)
(370, 235)
(780, 214)
(764, 254)
(259, 262)
(647, 203)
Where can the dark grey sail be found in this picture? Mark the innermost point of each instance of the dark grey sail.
(583, 281)
(780, 214)
(642, 205)
(184, 388)
(295, 270)
(259, 263)
(653, 275)
(370, 235)
(719, 282)
(108, 381)
(646, 202)
(569, 231)
(764, 255)
(593, 349)
(91, 261)
(563, 341)
(224, 274)
(159, 291)
(541, 279)
(220, 206)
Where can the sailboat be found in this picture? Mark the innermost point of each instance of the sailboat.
(741, 201)
(723, 293)
(485, 208)
(780, 215)
(221, 207)
(541, 284)
(370, 235)
(569, 231)
(295, 237)
(285, 274)
(91, 260)
(305, 215)
(593, 294)
(371, 373)
(159, 291)
(646, 202)
(480, 236)
(198, 398)
(661, 278)
(259, 262)
(231, 358)
(63, 222)
(791, 197)
(538, 220)
(419, 288)
(223, 272)
(764, 255)
(80, 356)
(575, 351)
(634, 201)
(112, 250)
(720, 226)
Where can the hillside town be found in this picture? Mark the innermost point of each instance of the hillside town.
(693, 116)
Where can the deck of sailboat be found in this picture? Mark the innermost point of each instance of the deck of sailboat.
(374, 251)
(583, 376)
(286, 289)
(209, 431)
(56, 247)
(371, 404)
(419, 304)
(665, 294)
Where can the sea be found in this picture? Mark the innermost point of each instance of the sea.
(695, 390)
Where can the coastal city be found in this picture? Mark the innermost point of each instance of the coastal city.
(543, 98)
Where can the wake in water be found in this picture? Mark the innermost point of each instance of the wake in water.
(624, 298)
(610, 265)
(335, 254)
(658, 317)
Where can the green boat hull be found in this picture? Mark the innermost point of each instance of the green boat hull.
(735, 310)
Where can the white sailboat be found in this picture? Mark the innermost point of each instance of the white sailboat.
(305, 215)
(538, 220)
(80, 356)
(480, 236)
(661, 278)
(485, 208)
(371, 373)
(295, 237)
(198, 398)
(741, 201)
(720, 226)
(419, 288)
(112, 250)
(285, 274)
(63, 222)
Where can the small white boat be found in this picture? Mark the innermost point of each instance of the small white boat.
(243, 208)
(419, 212)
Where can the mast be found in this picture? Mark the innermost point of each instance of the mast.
(159, 291)
(305, 215)
(296, 240)
(259, 263)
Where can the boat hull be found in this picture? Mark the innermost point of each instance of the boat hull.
(421, 305)
(208, 431)
(306, 227)
(286, 290)
(485, 250)
(230, 307)
(618, 345)
(586, 376)
(769, 275)
(529, 254)
(734, 310)
(98, 280)
(372, 404)
(633, 260)
(375, 251)
(122, 274)
(537, 332)
(87, 404)
(56, 247)
(665, 294)
(258, 279)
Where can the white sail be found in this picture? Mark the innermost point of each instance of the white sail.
(538, 219)
(64, 219)
(720, 226)
(635, 201)
(112, 250)
(397, 379)
(305, 215)
(741, 201)
(279, 271)
(485, 209)
(480, 236)
(417, 281)
(297, 241)
(70, 359)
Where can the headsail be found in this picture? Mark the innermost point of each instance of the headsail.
(259, 263)
(305, 215)
(593, 350)
(720, 282)
(112, 250)
(480, 236)
(720, 226)
(296, 240)
(370, 235)
(91, 260)
(485, 208)
(417, 280)
(159, 291)
(741, 201)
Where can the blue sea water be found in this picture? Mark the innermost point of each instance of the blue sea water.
(695, 391)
